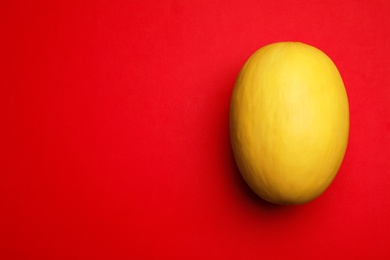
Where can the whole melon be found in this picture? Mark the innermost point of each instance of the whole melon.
(289, 122)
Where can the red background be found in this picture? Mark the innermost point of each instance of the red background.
(115, 138)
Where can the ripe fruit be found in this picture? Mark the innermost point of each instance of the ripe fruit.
(289, 122)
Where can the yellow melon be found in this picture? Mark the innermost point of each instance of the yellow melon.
(289, 122)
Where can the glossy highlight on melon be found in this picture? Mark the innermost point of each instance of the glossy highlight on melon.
(289, 122)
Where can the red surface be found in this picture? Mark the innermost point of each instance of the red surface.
(115, 139)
